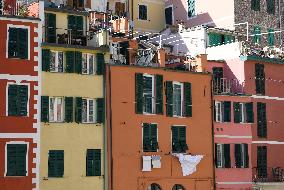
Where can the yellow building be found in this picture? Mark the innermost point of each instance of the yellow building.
(72, 103)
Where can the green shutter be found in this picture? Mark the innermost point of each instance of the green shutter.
(97, 162)
(44, 109)
(238, 155)
(191, 8)
(249, 112)
(188, 99)
(12, 44)
(11, 160)
(138, 93)
(227, 111)
(12, 100)
(271, 37)
(90, 167)
(255, 5)
(182, 139)
(56, 163)
(69, 109)
(169, 98)
(70, 60)
(237, 112)
(257, 36)
(270, 6)
(246, 155)
(46, 56)
(159, 94)
(16, 159)
(146, 137)
(79, 25)
(78, 110)
(259, 79)
(100, 110)
(78, 62)
(100, 64)
(175, 139)
(227, 155)
(154, 140)
(71, 24)
(261, 120)
(22, 100)
(51, 28)
(23, 43)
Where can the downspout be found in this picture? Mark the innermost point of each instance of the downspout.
(132, 17)
(280, 20)
(212, 129)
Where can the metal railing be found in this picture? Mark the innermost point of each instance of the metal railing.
(227, 86)
(270, 174)
(17, 8)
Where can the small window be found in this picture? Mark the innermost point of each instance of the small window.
(88, 110)
(222, 111)
(154, 186)
(179, 139)
(93, 162)
(18, 43)
(18, 100)
(143, 12)
(16, 160)
(270, 6)
(177, 99)
(87, 63)
(56, 163)
(271, 37)
(56, 61)
(178, 187)
(148, 93)
(150, 137)
(191, 8)
(257, 34)
(55, 109)
(241, 155)
(222, 156)
(255, 5)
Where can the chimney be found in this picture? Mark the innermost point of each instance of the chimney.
(201, 62)
(161, 57)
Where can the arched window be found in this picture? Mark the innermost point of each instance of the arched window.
(178, 187)
(154, 186)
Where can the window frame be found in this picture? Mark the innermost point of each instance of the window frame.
(88, 64)
(178, 126)
(219, 111)
(146, 5)
(55, 113)
(88, 111)
(243, 114)
(182, 99)
(157, 150)
(56, 64)
(152, 95)
(222, 156)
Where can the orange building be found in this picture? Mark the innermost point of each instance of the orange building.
(159, 129)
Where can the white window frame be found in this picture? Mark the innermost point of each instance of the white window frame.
(7, 96)
(219, 111)
(153, 94)
(147, 15)
(55, 120)
(182, 103)
(88, 64)
(88, 110)
(220, 155)
(56, 68)
(27, 160)
(243, 112)
(157, 136)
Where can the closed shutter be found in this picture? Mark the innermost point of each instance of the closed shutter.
(159, 94)
(270, 6)
(214, 110)
(100, 110)
(237, 118)
(79, 25)
(12, 44)
(90, 167)
(16, 159)
(271, 37)
(261, 120)
(146, 137)
(257, 36)
(71, 25)
(44, 109)
(11, 160)
(182, 139)
(12, 100)
(227, 155)
(46, 59)
(100, 64)
(260, 79)
(227, 111)
(70, 60)
(78, 62)
(249, 112)
(191, 8)
(187, 99)
(138, 93)
(55, 163)
(51, 28)
(238, 155)
(23, 43)
(22, 100)
(154, 140)
(246, 156)
(78, 110)
(262, 161)
(169, 98)
(97, 162)
(69, 109)
(255, 5)
(175, 139)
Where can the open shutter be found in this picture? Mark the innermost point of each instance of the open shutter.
(227, 155)
(188, 99)
(23, 100)
(78, 62)
(238, 155)
(12, 100)
(100, 64)
(90, 168)
(97, 162)
(237, 118)
(249, 112)
(71, 25)
(51, 28)
(271, 37)
(146, 137)
(154, 140)
(262, 161)
(261, 120)
(256, 32)
(44, 109)
(169, 98)
(23, 43)
(69, 109)
(246, 155)
(227, 111)
(79, 25)
(46, 59)
(175, 139)
(100, 110)
(70, 60)
(12, 44)
(138, 93)
(78, 110)
(182, 139)
(159, 94)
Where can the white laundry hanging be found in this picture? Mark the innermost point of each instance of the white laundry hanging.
(147, 164)
(156, 161)
(188, 163)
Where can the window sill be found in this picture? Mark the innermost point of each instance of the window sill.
(145, 113)
(89, 123)
(150, 151)
(16, 176)
(56, 72)
(56, 122)
(18, 58)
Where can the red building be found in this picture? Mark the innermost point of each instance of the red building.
(19, 101)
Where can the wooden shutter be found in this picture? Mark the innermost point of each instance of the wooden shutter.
(169, 98)
(146, 137)
(237, 112)
(46, 55)
(100, 64)
(187, 100)
(175, 139)
(70, 60)
(191, 8)
(182, 139)
(69, 109)
(262, 161)
(100, 110)
(216, 156)
(79, 25)
(270, 6)
(256, 37)
(97, 162)
(159, 94)
(50, 28)
(78, 62)
(138, 93)
(246, 156)
(16, 159)
(255, 5)
(12, 100)
(71, 24)
(56, 163)
(90, 158)
(11, 160)
(271, 37)
(227, 155)
(23, 43)
(238, 155)
(261, 120)
(154, 140)
(227, 111)
(249, 112)
(12, 44)
(78, 110)
(44, 109)
(260, 79)
(22, 100)
(214, 110)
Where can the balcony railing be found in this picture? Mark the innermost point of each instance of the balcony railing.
(266, 175)
(227, 86)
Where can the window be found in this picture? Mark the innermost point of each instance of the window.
(216, 39)
(178, 187)
(18, 100)
(259, 79)
(222, 156)
(150, 137)
(169, 15)
(50, 28)
(93, 162)
(191, 8)
(16, 160)
(177, 99)
(241, 156)
(56, 61)
(148, 93)
(87, 63)
(75, 25)
(222, 111)
(55, 163)
(262, 161)
(255, 5)
(154, 186)
(18, 44)
(55, 109)
(257, 34)
(143, 12)
(243, 112)
(271, 37)
(179, 139)
(88, 110)
(261, 120)
(270, 6)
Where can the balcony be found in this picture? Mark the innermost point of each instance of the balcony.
(120, 25)
(20, 8)
(227, 86)
(268, 175)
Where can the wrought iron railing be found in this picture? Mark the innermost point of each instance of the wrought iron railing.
(270, 174)
(227, 86)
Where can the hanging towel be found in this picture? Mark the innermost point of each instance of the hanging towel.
(188, 163)
(156, 161)
(146, 164)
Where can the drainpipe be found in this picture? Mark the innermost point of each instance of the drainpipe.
(280, 20)
(132, 18)
(212, 129)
